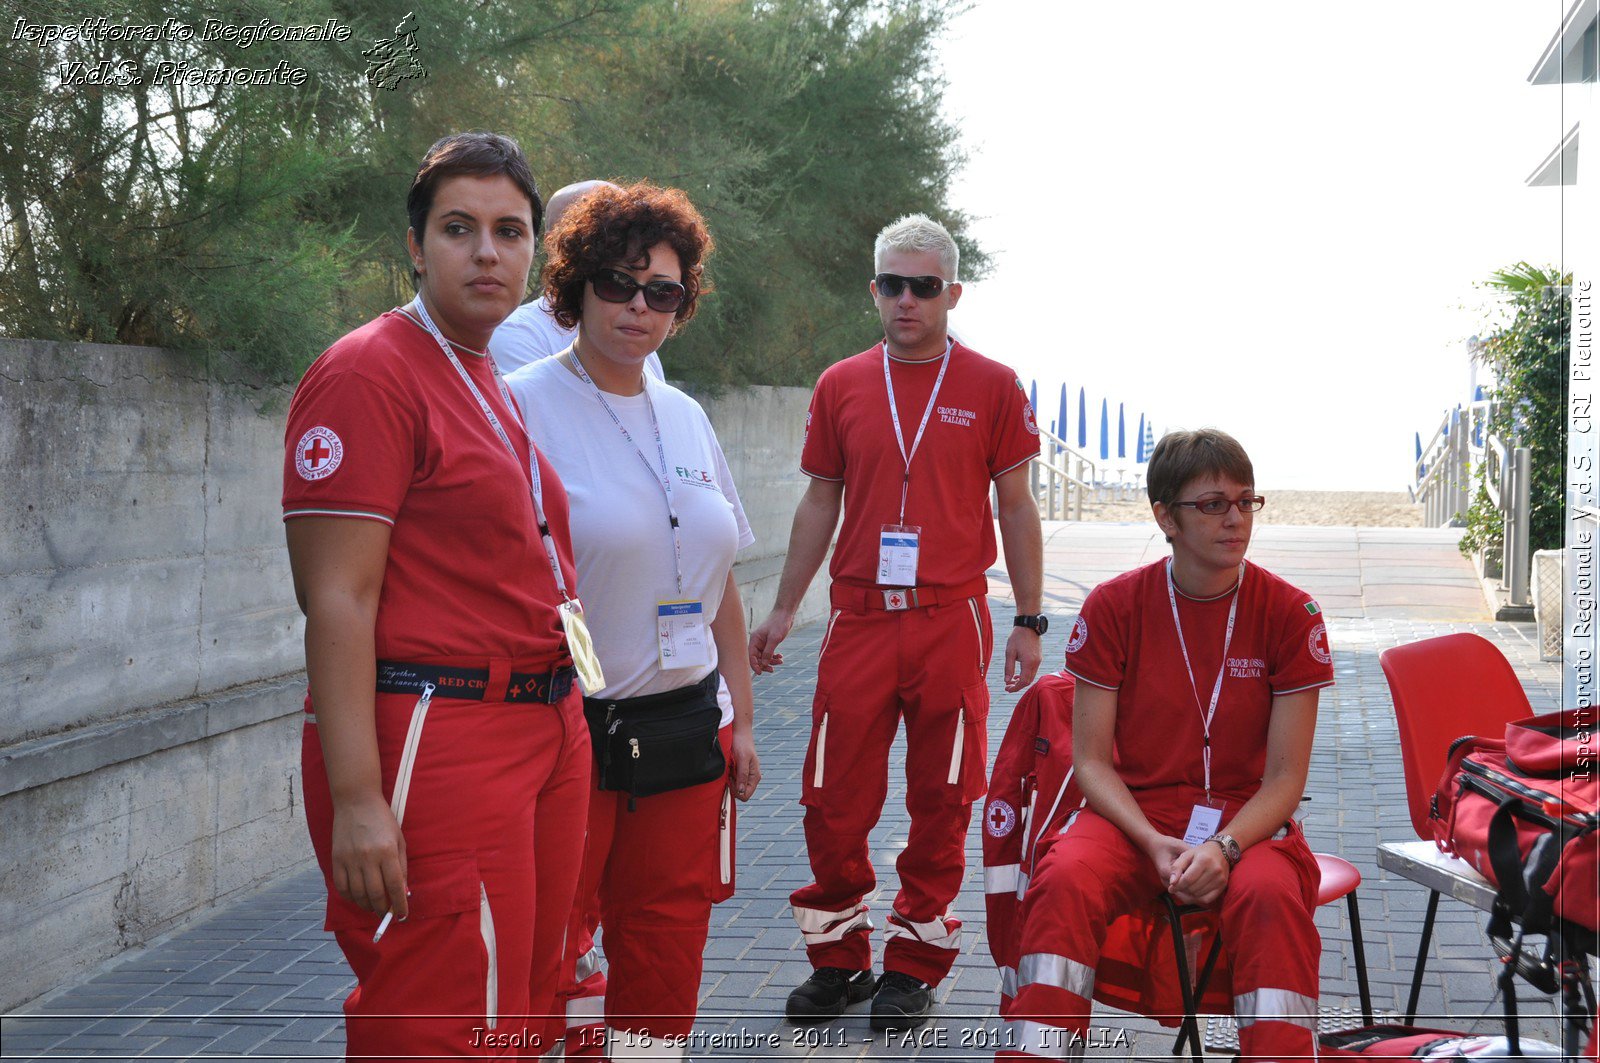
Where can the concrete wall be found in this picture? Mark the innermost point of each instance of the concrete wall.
(150, 648)
(761, 430)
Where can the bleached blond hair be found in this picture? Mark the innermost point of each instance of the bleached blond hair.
(917, 233)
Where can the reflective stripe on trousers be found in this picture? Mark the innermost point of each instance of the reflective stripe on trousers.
(819, 927)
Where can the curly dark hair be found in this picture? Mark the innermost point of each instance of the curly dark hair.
(614, 226)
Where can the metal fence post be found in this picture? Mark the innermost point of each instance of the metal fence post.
(1520, 560)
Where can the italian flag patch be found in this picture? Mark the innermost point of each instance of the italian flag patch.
(1312, 608)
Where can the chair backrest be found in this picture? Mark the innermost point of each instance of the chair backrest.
(1444, 688)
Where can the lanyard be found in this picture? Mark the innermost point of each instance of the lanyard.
(894, 413)
(665, 479)
(535, 484)
(1216, 691)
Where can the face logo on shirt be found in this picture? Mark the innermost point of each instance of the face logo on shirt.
(1080, 635)
(318, 454)
(999, 819)
(1027, 418)
(1317, 643)
(805, 435)
(696, 477)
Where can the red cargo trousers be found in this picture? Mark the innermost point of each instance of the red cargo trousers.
(1093, 874)
(927, 665)
(493, 823)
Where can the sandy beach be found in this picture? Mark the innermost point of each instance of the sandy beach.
(1359, 509)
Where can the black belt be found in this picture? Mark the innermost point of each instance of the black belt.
(472, 684)
(707, 687)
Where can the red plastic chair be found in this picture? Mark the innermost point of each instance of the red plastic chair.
(1444, 688)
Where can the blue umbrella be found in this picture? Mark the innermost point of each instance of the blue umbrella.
(1033, 396)
(1140, 454)
(1063, 418)
(1419, 445)
(1149, 439)
(1083, 423)
(1122, 433)
(1105, 431)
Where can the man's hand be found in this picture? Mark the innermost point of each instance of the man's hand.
(1022, 658)
(764, 640)
(746, 766)
(369, 856)
(1200, 875)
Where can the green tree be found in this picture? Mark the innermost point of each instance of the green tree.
(1529, 359)
(269, 219)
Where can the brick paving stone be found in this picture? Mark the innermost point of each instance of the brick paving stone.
(267, 981)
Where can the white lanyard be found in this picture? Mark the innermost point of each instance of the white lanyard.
(536, 484)
(894, 413)
(1216, 691)
(661, 453)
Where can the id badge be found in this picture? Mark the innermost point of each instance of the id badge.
(682, 638)
(1204, 821)
(898, 546)
(581, 645)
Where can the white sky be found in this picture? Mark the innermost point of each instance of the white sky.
(1263, 215)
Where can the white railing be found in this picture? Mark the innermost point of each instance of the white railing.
(1062, 477)
(1445, 478)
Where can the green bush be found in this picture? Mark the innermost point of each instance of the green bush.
(1529, 359)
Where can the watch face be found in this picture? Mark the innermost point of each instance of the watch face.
(1044, 623)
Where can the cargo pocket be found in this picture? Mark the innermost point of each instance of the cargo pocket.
(969, 746)
(727, 834)
(816, 765)
(445, 887)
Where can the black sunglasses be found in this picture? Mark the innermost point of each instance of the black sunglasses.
(890, 285)
(614, 286)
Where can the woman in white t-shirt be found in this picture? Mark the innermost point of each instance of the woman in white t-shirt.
(655, 526)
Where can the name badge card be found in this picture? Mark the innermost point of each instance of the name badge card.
(581, 646)
(898, 546)
(682, 639)
(1204, 821)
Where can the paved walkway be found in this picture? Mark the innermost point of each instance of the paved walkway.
(260, 979)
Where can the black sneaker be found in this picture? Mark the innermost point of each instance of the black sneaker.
(827, 993)
(901, 1002)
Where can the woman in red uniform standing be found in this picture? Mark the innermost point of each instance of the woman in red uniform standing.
(445, 754)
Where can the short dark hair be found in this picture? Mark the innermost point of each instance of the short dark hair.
(1180, 457)
(475, 154)
(616, 225)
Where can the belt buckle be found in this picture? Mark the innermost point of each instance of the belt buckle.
(897, 599)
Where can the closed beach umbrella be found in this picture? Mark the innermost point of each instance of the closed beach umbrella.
(1062, 420)
(1105, 430)
(1140, 454)
(1122, 433)
(1083, 422)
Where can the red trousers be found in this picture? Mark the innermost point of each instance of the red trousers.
(493, 823)
(650, 877)
(927, 665)
(1094, 874)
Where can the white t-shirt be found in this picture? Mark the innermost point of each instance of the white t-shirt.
(621, 533)
(532, 334)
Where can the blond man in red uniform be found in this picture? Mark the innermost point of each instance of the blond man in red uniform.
(907, 438)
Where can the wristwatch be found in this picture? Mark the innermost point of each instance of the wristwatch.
(1230, 848)
(1040, 623)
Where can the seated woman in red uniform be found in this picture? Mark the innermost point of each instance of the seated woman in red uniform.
(446, 761)
(656, 523)
(1197, 685)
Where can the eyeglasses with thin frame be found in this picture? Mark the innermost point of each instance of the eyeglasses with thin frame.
(890, 285)
(614, 286)
(1216, 507)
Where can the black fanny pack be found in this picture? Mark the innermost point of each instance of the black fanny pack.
(659, 742)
